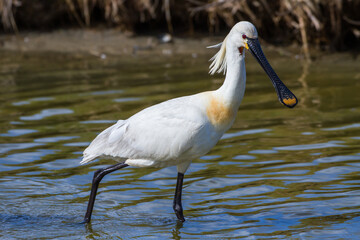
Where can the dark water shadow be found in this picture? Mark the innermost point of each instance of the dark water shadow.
(176, 233)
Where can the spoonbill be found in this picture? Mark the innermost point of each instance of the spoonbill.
(175, 132)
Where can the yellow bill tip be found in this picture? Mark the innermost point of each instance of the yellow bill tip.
(290, 102)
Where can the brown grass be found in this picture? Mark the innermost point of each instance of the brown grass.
(7, 15)
(331, 24)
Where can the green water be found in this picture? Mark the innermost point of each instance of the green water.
(278, 173)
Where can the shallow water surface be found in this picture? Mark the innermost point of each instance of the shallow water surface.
(279, 173)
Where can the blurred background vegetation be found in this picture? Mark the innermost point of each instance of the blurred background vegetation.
(325, 24)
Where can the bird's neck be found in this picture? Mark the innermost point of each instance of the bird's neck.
(233, 88)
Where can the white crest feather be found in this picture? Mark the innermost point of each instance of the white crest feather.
(218, 60)
(215, 46)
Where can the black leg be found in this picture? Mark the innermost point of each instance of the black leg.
(98, 175)
(177, 199)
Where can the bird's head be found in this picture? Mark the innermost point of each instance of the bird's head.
(240, 34)
(245, 36)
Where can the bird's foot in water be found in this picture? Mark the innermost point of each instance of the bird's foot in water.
(179, 213)
(180, 217)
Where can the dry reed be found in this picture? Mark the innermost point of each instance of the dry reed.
(333, 24)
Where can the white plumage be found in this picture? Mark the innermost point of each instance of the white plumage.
(177, 131)
(170, 133)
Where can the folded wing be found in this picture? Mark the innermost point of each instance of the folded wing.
(160, 133)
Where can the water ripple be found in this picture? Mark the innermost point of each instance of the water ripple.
(55, 139)
(259, 182)
(47, 113)
(6, 147)
(354, 125)
(17, 132)
(129, 99)
(329, 144)
(38, 99)
(244, 132)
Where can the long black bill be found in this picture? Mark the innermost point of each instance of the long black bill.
(286, 97)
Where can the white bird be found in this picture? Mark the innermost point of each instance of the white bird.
(175, 132)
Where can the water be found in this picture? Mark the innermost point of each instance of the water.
(277, 174)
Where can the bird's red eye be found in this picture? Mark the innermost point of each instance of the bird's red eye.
(243, 36)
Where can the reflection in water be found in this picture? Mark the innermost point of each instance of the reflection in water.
(278, 173)
(47, 113)
(176, 234)
(243, 132)
(17, 132)
(6, 147)
(354, 125)
(119, 100)
(330, 144)
(39, 99)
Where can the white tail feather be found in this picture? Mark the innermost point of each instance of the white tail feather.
(218, 60)
(87, 158)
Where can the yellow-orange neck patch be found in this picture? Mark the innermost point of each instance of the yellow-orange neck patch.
(218, 113)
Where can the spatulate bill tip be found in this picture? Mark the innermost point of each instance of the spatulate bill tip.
(289, 102)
